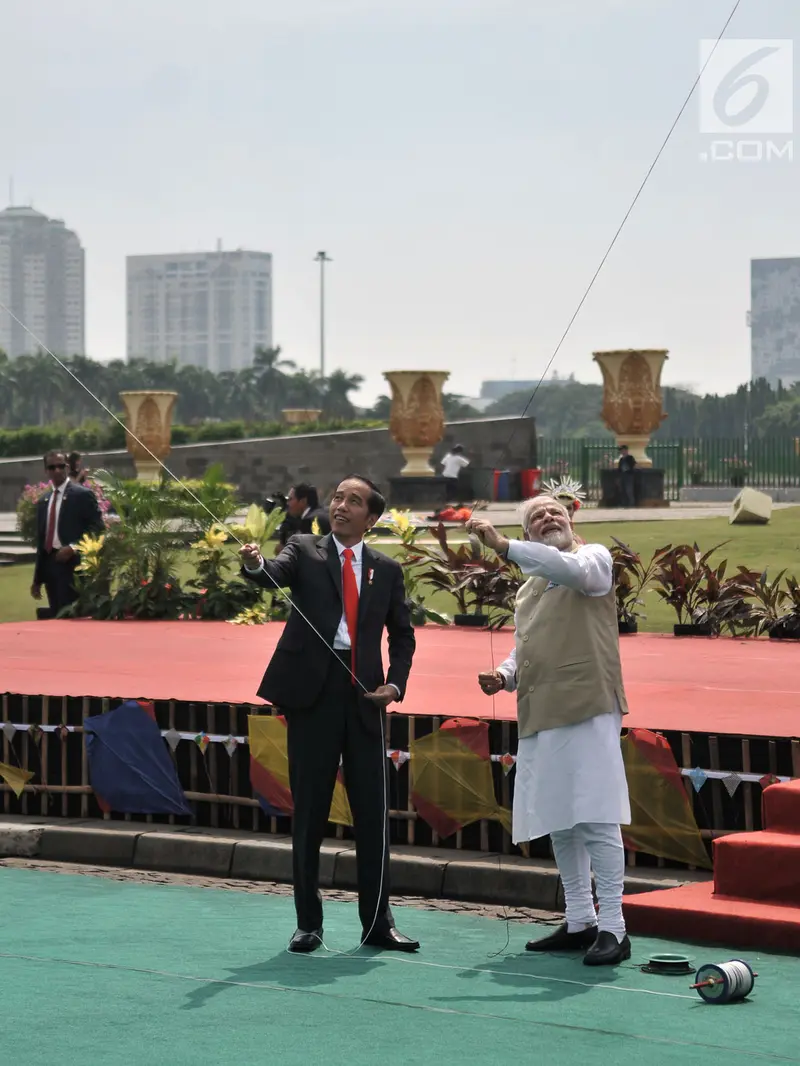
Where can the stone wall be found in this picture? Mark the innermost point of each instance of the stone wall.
(270, 464)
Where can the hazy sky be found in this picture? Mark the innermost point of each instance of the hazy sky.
(464, 162)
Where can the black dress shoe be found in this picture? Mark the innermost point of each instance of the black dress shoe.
(607, 950)
(562, 940)
(305, 942)
(391, 940)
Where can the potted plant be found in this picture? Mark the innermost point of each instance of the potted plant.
(737, 471)
(399, 525)
(631, 578)
(702, 598)
(776, 610)
(483, 585)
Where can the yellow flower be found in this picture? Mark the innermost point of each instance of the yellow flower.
(401, 520)
(89, 545)
(213, 539)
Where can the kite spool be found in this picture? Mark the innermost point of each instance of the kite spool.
(725, 982)
(668, 965)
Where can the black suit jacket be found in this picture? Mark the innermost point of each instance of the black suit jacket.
(310, 567)
(79, 514)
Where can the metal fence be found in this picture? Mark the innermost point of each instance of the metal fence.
(714, 462)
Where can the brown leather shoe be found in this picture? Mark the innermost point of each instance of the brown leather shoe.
(562, 940)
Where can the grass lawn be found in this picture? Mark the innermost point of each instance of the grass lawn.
(773, 547)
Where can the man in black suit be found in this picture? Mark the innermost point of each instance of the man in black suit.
(302, 510)
(327, 677)
(63, 516)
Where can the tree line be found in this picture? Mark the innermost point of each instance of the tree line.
(36, 391)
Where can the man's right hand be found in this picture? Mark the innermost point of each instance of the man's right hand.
(36, 590)
(250, 556)
(492, 682)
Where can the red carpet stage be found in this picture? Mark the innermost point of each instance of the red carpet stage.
(698, 685)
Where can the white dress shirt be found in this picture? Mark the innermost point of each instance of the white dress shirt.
(341, 642)
(572, 774)
(56, 500)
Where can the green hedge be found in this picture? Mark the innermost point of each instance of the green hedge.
(108, 436)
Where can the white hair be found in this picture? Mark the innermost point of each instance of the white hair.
(527, 507)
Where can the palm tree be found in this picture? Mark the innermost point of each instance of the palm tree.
(336, 399)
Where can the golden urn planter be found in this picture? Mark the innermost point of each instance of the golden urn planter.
(296, 416)
(148, 417)
(632, 399)
(416, 421)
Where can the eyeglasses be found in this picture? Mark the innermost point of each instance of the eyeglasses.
(56, 466)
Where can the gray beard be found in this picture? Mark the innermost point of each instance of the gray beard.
(562, 541)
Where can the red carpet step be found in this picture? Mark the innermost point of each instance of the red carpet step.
(754, 900)
(781, 805)
(758, 866)
(694, 912)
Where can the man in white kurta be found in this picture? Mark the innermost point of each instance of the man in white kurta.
(570, 778)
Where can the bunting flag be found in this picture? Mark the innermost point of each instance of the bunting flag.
(173, 738)
(451, 777)
(231, 744)
(202, 741)
(399, 758)
(731, 782)
(129, 768)
(698, 778)
(508, 762)
(662, 820)
(15, 778)
(269, 771)
(8, 731)
(769, 779)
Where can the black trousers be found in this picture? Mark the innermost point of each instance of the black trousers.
(59, 583)
(628, 490)
(342, 724)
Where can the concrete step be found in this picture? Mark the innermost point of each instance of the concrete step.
(431, 872)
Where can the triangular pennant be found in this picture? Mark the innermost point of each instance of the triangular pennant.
(507, 762)
(398, 758)
(202, 741)
(769, 779)
(698, 778)
(731, 782)
(16, 778)
(173, 738)
(231, 744)
(9, 730)
(35, 733)
(63, 732)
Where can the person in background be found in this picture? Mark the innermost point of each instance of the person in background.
(565, 668)
(77, 471)
(302, 511)
(452, 464)
(63, 516)
(626, 464)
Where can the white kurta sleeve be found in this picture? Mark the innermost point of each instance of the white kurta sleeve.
(588, 570)
(508, 670)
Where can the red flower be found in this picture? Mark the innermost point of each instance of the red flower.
(143, 583)
(167, 586)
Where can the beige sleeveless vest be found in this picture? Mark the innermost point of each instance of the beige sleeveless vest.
(568, 666)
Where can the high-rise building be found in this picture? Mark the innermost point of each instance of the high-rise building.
(775, 320)
(208, 309)
(42, 283)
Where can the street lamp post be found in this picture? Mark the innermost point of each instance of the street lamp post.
(322, 258)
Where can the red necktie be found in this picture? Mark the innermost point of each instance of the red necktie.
(350, 597)
(51, 523)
